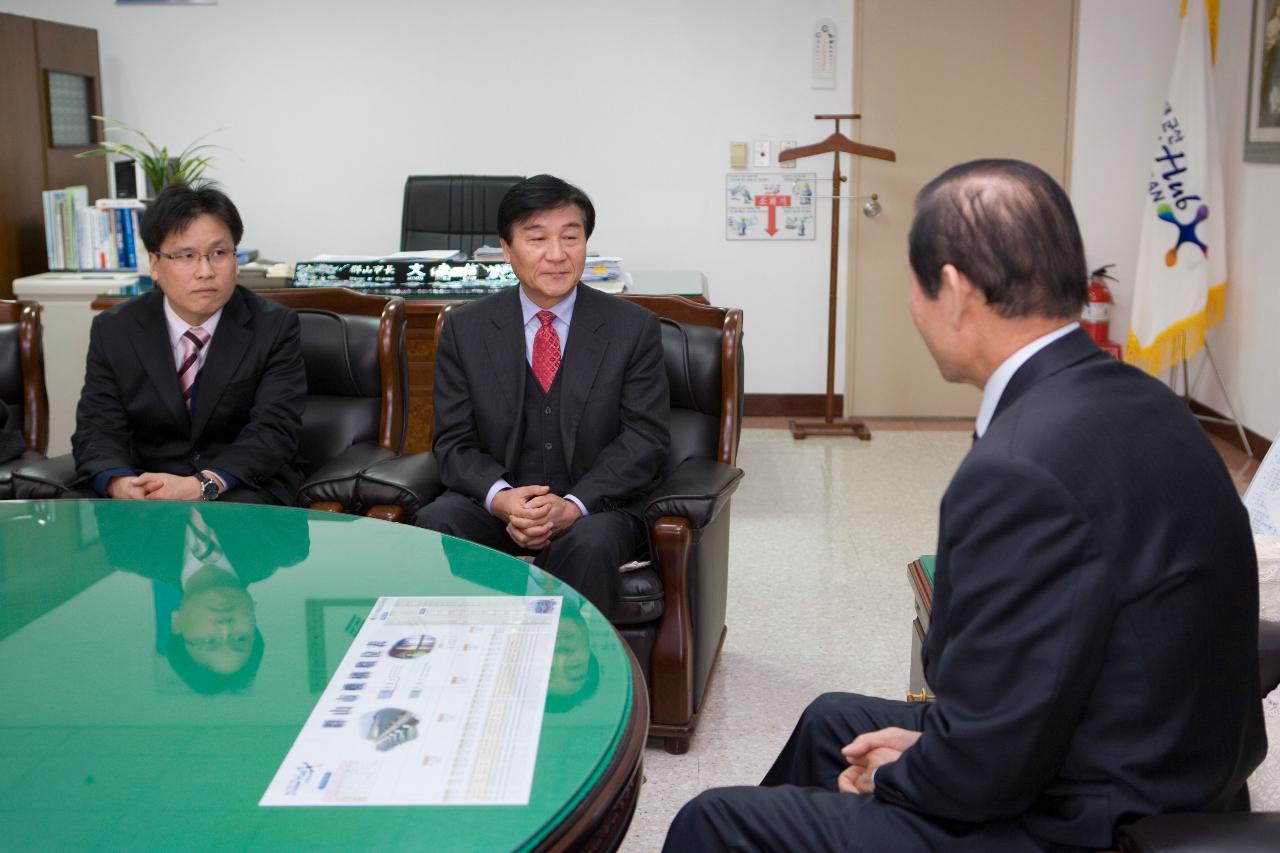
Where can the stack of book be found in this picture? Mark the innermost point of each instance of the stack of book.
(600, 269)
(487, 255)
(84, 237)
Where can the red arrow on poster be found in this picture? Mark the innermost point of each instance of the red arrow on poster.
(773, 201)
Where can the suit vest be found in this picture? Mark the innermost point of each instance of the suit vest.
(541, 460)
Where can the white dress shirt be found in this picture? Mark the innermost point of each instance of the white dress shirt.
(992, 391)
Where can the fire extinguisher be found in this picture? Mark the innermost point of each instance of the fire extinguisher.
(1096, 317)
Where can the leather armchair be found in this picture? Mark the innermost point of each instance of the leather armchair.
(452, 211)
(1220, 832)
(22, 386)
(671, 611)
(353, 346)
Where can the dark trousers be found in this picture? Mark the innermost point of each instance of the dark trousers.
(798, 807)
(586, 556)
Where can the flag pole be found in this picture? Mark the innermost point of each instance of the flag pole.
(1234, 420)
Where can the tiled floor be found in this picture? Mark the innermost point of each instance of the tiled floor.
(822, 527)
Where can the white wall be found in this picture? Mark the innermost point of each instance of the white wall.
(332, 103)
(1125, 57)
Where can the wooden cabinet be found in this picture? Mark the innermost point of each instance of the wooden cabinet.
(29, 161)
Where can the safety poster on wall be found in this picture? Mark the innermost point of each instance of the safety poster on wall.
(770, 205)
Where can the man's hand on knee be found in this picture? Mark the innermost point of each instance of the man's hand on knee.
(527, 524)
(168, 487)
(534, 515)
(125, 489)
(510, 503)
(869, 751)
(560, 512)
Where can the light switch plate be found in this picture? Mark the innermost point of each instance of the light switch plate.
(737, 155)
(762, 160)
(783, 146)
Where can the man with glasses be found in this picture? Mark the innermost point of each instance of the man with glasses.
(193, 391)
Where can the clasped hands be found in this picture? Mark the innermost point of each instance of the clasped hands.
(154, 487)
(534, 515)
(869, 751)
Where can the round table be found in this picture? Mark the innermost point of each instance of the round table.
(109, 740)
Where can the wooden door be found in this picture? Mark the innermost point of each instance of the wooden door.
(940, 83)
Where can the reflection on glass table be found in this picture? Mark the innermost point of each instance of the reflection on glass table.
(160, 658)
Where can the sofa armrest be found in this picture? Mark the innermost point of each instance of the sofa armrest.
(698, 489)
(45, 479)
(335, 481)
(27, 457)
(1219, 832)
(409, 482)
(1269, 654)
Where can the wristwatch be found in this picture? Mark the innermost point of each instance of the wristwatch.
(208, 488)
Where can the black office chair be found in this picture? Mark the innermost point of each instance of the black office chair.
(353, 345)
(452, 211)
(22, 387)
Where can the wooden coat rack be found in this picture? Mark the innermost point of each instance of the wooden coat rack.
(837, 143)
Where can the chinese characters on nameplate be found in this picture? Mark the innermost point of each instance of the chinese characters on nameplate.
(438, 701)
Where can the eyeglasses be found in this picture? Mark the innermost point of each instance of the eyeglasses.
(190, 260)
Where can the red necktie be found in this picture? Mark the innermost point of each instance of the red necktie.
(192, 341)
(546, 351)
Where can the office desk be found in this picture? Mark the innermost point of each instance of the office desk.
(421, 336)
(102, 746)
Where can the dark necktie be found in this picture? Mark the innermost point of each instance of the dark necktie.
(546, 351)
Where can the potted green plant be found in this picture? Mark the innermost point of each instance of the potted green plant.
(160, 167)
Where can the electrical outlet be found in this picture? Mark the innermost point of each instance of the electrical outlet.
(762, 160)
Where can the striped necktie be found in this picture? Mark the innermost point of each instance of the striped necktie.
(193, 341)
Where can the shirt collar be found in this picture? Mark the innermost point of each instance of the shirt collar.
(179, 326)
(563, 309)
(992, 391)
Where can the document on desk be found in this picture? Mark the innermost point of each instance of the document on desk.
(438, 701)
(1262, 498)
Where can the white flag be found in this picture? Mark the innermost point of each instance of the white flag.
(1180, 280)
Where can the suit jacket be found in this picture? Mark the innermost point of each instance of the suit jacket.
(1093, 643)
(614, 404)
(247, 415)
(12, 444)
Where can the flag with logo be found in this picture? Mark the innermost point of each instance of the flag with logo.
(1180, 280)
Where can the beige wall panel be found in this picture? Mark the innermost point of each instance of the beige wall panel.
(940, 83)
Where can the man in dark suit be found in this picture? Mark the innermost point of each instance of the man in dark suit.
(551, 404)
(194, 390)
(1093, 642)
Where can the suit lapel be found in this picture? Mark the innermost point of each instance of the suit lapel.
(504, 343)
(230, 342)
(1071, 348)
(155, 353)
(582, 356)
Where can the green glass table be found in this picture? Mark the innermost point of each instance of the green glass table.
(150, 697)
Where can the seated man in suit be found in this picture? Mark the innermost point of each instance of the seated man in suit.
(194, 390)
(1093, 641)
(551, 404)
